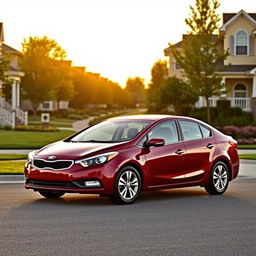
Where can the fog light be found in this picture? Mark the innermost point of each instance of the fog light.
(92, 183)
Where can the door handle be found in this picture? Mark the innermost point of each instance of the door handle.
(180, 151)
(210, 145)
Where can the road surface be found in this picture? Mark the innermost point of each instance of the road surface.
(171, 222)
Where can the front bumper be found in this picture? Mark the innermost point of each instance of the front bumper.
(72, 180)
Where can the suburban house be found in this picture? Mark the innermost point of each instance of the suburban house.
(10, 111)
(238, 71)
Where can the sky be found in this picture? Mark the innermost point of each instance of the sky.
(116, 38)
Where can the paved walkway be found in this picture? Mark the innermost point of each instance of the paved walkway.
(81, 124)
(25, 151)
(247, 171)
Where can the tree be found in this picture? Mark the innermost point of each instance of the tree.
(4, 68)
(177, 92)
(135, 86)
(201, 53)
(44, 74)
(64, 89)
(159, 72)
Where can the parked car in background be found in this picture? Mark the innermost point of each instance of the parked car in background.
(124, 156)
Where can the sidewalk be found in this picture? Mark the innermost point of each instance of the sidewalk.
(247, 171)
(81, 125)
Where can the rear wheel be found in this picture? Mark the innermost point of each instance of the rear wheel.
(127, 186)
(219, 179)
(51, 194)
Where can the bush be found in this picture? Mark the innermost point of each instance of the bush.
(244, 135)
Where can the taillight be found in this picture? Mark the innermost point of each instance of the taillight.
(233, 143)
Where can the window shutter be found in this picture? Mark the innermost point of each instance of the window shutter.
(251, 41)
(231, 45)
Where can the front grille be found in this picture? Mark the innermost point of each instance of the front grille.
(53, 165)
(59, 184)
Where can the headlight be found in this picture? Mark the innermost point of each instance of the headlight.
(31, 155)
(96, 160)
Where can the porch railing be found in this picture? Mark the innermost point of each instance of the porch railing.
(9, 116)
(243, 103)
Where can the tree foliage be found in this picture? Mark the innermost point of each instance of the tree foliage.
(159, 72)
(201, 53)
(4, 68)
(175, 91)
(135, 86)
(46, 77)
(91, 89)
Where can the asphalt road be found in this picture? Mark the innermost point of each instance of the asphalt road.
(172, 222)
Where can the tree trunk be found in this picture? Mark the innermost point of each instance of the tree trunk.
(34, 106)
(208, 110)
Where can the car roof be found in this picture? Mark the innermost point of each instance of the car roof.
(155, 117)
(149, 117)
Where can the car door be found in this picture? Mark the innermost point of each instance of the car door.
(165, 164)
(199, 145)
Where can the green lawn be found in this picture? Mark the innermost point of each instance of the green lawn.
(12, 167)
(247, 146)
(12, 156)
(248, 156)
(27, 139)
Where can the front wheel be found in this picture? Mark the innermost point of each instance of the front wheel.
(127, 186)
(51, 194)
(219, 179)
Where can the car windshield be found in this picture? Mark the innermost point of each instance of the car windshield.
(111, 131)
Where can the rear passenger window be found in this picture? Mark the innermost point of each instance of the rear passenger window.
(167, 131)
(190, 130)
(206, 132)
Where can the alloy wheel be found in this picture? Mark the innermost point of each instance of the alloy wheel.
(220, 177)
(128, 185)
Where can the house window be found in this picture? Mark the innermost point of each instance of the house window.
(176, 65)
(240, 91)
(241, 43)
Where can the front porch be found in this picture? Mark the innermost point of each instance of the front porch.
(239, 89)
(11, 113)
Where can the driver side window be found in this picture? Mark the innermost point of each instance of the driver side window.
(166, 130)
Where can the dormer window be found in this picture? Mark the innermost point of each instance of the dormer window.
(241, 43)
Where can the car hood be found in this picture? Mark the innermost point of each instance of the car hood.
(69, 150)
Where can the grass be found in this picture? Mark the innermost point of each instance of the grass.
(248, 156)
(247, 146)
(25, 139)
(12, 156)
(17, 167)
(12, 167)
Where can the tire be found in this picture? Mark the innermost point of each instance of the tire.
(127, 186)
(219, 179)
(52, 194)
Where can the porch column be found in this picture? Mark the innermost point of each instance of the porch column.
(14, 95)
(18, 93)
(223, 87)
(254, 87)
(253, 100)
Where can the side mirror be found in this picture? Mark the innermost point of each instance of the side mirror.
(155, 142)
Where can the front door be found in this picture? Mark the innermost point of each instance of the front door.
(165, 164)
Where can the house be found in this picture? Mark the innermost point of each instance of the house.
(10, 111)
(238, 71)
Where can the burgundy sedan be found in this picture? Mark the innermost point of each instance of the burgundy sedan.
(124, 156)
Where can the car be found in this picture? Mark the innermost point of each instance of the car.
(124, 156)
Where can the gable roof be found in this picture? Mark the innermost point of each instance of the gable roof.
(9, 49)
(229, 18)
(179, 44)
